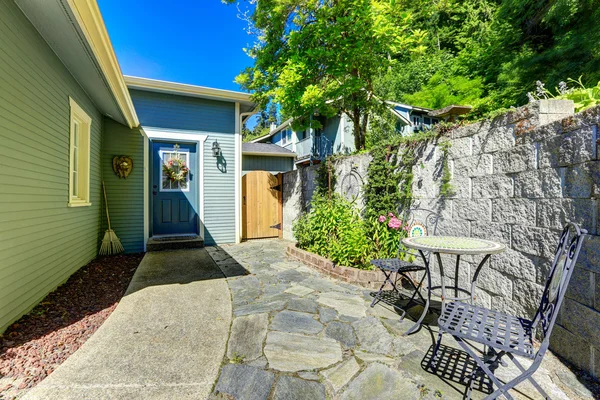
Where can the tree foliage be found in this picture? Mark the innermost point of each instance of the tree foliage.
(322, 56)
(490, 53)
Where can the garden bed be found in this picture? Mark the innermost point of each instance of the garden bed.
(367, 278)
(35, 345)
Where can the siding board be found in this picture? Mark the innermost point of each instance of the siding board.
(52, 241)
(125, 196)
(217, 120)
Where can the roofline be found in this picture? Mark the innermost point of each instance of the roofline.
(272, 133)
(424, 109)
(90, 20)
(400, 116)
(267, 154)
(135, 82)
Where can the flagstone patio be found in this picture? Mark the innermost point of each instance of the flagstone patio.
(299, 335)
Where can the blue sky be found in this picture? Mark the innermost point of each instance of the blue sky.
(190, 41)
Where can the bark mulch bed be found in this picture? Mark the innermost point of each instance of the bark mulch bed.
(35, 345)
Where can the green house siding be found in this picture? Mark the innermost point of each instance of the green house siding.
(274, 165)
(208, 117)
(42, 241)
(125, 196)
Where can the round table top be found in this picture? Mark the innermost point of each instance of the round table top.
(453, 245)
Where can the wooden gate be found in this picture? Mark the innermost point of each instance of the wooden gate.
(262, 206)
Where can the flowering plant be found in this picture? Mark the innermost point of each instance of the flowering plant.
(176, 170)
(387, 230)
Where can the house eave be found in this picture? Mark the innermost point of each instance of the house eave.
(155, 85)
(90, 20)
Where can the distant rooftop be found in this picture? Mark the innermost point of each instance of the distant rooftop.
(266, 149)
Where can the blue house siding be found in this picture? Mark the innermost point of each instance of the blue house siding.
(125, 196)
(163, 110)
(274, 165)
(217, 120)
(219, 191)
(42, 240)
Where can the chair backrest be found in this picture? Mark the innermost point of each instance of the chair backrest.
(558, 279)
(420, 222)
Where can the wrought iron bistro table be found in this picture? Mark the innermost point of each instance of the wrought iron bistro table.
(456, 246)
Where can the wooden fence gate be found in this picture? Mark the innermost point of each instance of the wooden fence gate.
(262, 205)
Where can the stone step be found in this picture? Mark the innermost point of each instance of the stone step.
(174, 243)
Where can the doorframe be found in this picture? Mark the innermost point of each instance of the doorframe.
(185, 136)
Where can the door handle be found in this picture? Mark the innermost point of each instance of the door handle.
(154, 186)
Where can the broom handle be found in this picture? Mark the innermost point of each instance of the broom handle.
(106, 204)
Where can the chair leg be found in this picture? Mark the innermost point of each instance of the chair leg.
(387, 279)
(502, 388)
(436, 348)
(530, 377)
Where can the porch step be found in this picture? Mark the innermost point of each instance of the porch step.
(174, 243)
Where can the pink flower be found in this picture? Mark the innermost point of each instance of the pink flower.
(391, 215)
(395, 223)
(382, 218)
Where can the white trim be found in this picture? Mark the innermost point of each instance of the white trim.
(184, 136)
(84, 122)
(134, 82)
(343, 128)
(238, 175)
(146, 188)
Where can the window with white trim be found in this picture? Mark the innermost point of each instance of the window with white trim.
(79, 156)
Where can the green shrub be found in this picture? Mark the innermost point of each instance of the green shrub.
(387, 231)
(333, 229)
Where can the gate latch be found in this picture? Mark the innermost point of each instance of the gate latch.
(278, 226)
(278, 188)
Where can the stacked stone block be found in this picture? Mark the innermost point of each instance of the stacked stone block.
(518, 179)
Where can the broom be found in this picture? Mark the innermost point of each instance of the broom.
(111, 243)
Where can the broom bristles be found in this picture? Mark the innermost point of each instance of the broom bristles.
(111, 244)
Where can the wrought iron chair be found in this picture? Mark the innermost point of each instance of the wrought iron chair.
(506, 335)
(421, 222)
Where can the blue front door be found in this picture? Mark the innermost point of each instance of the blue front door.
(174, 200)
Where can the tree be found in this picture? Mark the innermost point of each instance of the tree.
(321, 57)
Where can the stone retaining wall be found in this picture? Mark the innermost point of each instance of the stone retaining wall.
(517, 179)
(368, 279)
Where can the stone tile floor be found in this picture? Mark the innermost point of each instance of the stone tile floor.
(299, 335)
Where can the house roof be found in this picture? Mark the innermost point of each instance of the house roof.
(279, 128)
(183, 89)
(451, 110)
(266, 149)
(409, 107)
(76, 33)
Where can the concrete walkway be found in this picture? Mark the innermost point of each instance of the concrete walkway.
(165, 340)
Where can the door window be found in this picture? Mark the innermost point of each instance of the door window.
(173, 175)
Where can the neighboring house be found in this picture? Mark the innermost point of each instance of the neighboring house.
(65, 112)
(310, 145)
(411, 118)
(336, 136)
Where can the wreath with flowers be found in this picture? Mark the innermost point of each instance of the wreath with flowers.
(175, 169)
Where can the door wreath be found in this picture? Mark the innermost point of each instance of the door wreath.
(175, 169)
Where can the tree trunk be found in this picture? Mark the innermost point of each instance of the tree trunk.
(358, 140)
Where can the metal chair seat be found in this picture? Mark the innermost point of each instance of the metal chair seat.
(396, 265)
(488, 327)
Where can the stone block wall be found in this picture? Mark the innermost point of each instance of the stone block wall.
(517, 179)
